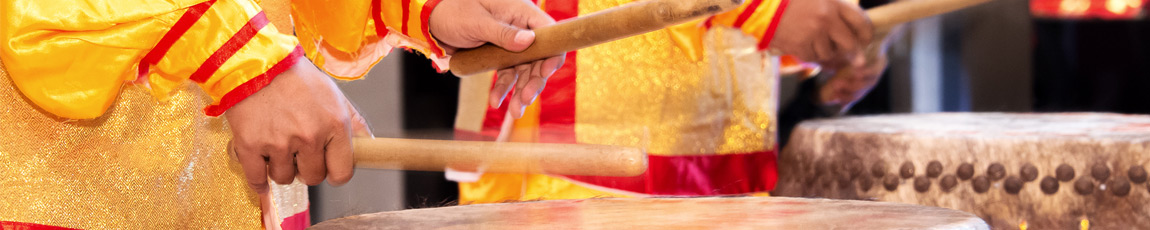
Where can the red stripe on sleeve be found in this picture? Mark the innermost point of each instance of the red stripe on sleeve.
(425, 16)
(377, 16)
(230, 48)
(193, 14)
(255, 84)
(769, 35)
(22, 225)
(750, 10)
(406, 15)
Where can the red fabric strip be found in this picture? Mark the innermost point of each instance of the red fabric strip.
(298, 221)
(377, 16)
(769, 35)
(406, 15)
(698, 175)
(193, 14)
(230, 47)
(425, 18)
(557, 104)
(750, 10)
(10, 225)
(255, 84)
(694, 175)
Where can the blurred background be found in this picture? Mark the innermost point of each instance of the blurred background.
(1007, 55)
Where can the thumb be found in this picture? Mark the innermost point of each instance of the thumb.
(507, 36)
(359, 126)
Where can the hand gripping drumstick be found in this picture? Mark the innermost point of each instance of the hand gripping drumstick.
(650, 15)
(498, 157)
(603, 26)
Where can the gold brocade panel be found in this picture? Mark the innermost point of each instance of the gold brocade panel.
(644, 91)
(143, 165)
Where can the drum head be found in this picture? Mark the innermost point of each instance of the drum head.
(670, 213)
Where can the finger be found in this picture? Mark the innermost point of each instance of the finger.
(822, 49)
(845, 42)
(359, 125)
(312, 168)
(858, 22)
(338, 156)
(517, 106)
(505, 35)
(530, 89)
(504, 79)
(553, 64)
(255, 169)
(282, 166)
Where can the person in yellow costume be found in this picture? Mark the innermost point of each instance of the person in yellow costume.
(87, 144)
(699, 97)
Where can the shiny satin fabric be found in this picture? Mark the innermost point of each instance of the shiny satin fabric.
(347, 39)
(71, 58)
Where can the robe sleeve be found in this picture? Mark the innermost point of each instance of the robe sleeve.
(758, 18)
(347, 39)
(71, 58)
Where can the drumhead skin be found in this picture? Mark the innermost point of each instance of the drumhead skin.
(1041, 170)
(669, 213)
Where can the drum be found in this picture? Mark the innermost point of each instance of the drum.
(669, 213)
(1047, 171)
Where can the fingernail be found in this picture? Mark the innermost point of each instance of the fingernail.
(525, 37)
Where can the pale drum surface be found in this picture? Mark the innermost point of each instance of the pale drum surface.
(670, 213)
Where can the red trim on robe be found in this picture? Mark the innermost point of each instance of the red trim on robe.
(377, 16)
(255, 84)
(193, 14)
(698, 175)
(229, 48)
(690, 175)
(298, 221)
(425, 18)
(406, 15)
(557, 104)
(11, 225)
(765, 41)
(746, 14)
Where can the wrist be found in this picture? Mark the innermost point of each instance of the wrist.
(255, 84)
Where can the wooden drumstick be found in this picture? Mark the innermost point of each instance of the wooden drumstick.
(499, 157)
(600, 27)
(887, 16)
(645, 16)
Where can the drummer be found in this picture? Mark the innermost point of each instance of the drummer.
(700, 97)
(142, 164)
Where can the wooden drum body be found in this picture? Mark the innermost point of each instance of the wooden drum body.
(669, 213)
(1046, 171)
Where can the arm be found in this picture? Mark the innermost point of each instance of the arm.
(345, 40)
(279, 107)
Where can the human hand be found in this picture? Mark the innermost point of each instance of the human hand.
(850, 83)
(299, 125)
(505, 23)
(823, 30)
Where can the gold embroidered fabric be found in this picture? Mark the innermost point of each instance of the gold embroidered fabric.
(645, 89)
(142, 165)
